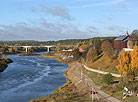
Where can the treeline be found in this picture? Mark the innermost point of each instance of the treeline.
(69, 42)
(37, 43)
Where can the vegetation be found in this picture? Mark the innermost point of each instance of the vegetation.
(107, 48)
(91, 55)
(108, 78)
(54, 57)
(128, 64)
(58, 47)
(77, 54)
(4, 63)
(104, 63)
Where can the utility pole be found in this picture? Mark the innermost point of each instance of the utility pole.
(81, 73)
(92, 93)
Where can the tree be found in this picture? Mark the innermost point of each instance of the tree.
(98, 46)
(83, 46)
(124, 67)
(91, 55)
(134, 61)
(107, 48)
(90, 42)
(128, 65)
(76, 53)
(59, 47)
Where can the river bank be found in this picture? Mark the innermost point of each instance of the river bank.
(4, 63)
(77, 88)
(72, 91)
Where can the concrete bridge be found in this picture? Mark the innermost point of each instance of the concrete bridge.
(26, 47)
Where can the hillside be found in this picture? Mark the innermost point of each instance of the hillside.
(105, 64)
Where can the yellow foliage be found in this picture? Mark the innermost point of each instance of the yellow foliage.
(125, 63)
(10, 49)
(134, 60)
(128, 62)
(83, 46)
(91, 55)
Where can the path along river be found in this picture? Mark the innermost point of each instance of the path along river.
(30, 77)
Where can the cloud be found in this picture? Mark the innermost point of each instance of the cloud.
(116, 28)
(109, 3)
(93, 30)
(41, 30)
(56, 11)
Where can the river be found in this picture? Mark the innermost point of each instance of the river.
(30, 77)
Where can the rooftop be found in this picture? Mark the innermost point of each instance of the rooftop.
(122, 37)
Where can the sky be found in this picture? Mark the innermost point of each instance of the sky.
(66, 19)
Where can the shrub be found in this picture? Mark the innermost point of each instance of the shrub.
(119, 86)
(108, 78)
(111, 61)
(112, 91)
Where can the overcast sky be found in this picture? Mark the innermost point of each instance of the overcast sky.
(66, 19)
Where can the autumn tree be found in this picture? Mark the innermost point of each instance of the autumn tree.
(15, 49)
(134, 61)
(128, 65)
(107, 48)
(91, 55)
(124, 66)
(83, 46)
(59, 47)
(90, 42)
(98, 46)
(76, 53)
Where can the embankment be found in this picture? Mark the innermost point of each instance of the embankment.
(74, 90)
(4, 63)
(77, 88)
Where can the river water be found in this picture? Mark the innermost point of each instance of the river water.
(30, 77)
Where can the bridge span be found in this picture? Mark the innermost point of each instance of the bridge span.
(26, 47)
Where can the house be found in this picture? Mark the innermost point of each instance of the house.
(121, 42)
(126, 42)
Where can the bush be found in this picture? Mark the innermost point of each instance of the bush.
(111, 61)
(112, 91)
(108, 78)
(119, 86)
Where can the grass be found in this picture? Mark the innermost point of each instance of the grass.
(131, 99)
(98, 80)
(105, 64)
(54, 57)
(111, 70)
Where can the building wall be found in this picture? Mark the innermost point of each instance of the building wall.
(130, 44)
(119, 45)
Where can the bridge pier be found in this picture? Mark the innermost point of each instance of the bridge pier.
(26, 49)
(48, 49)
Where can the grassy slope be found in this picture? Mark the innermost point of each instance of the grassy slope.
(104, 63)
